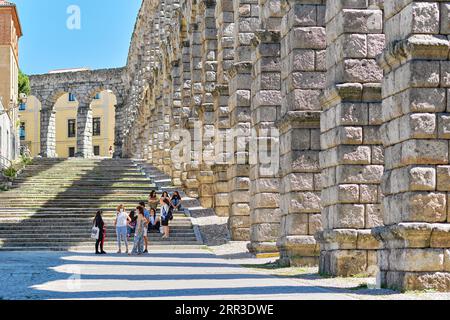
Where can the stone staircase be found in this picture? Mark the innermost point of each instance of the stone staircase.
(52, 204)
(211, 229)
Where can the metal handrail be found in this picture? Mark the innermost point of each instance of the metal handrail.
(24, 151)
(2, 160)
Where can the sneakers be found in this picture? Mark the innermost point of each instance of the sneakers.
(145, 251)
(120, 251)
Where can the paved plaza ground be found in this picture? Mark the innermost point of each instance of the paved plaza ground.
(177, 274)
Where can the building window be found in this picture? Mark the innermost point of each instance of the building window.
(71, 152)
(96, 126)
(22, 107)
(71, 97)
(22, 131)
(97, 96)
(96, 150)
(71, 128)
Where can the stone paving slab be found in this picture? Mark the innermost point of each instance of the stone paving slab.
(215, 273)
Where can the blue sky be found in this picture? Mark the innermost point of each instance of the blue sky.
(101, 42)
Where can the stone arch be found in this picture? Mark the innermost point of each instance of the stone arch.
(84, 85)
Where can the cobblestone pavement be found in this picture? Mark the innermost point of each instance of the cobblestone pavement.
(224, 272)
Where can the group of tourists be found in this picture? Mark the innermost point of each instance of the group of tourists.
(139, 222)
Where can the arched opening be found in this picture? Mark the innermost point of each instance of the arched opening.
(66, 124)
(64, 131)
(103, 123)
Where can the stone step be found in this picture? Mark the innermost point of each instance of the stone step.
(66, 180)
(25, 237)
(30, 198)
(68, 189)
(65, 211)
(109, 210)
(110, 248)
(88, 205)
(93, 192)
(41, 229)
(77, 221)
(52, 204)
(18, 225)
(72, 221)
(116, 198)
(48, 245)
(43, 232)
(82, 166)
(51, 181)
(80, 172)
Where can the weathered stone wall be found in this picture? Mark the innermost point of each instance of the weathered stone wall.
(416, 237)
(359, 136)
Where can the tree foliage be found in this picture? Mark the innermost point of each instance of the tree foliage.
(24, 83)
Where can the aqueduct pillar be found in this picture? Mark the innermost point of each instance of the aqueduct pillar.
(415, 112)
(351, 157)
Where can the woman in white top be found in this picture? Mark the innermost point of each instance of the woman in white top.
(165, 206)
(121, 223)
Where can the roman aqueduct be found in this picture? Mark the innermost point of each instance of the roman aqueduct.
(357, 91)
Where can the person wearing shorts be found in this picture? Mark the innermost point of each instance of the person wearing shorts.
(121, 223)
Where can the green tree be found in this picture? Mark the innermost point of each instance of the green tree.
(24, 83)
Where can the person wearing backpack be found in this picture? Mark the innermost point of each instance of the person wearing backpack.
(166, 216)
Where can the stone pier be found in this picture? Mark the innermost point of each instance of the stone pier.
(264, 146)
(352, 158)
(415, 131)
(303, 79)
(48, 134)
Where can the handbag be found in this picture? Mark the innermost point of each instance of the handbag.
(95, 233)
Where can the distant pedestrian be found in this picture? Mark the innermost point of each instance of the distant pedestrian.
(165, 216)
(111, 152)
(141, 222)
(98, 222)
(121, 223)
(147, 218)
